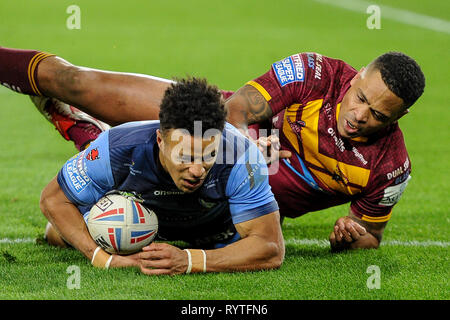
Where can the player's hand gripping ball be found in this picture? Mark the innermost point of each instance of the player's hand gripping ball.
(120, 224)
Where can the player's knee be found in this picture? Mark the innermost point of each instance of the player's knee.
(53, 238)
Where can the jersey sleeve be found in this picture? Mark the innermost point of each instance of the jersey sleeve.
(248, 188)
(300, 78)
(87, 176)
(386, 185)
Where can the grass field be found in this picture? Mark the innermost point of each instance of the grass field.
(228, 42)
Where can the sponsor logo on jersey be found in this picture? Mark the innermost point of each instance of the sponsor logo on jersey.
(328, 111)
(318, 68)
(315, 63)
(359, 156)
(393, 194)
(211, 183)
(340, 145)
(166, 193)
(337, 141)
(289, 70)
(93, 155)
(206, 204)
(226, 235)
(133, 171)
(399, 171)
(311, 62)
(76, 170)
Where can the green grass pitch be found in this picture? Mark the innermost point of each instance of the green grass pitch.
(229, 43)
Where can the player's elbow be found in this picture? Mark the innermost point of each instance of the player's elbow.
(275, 255)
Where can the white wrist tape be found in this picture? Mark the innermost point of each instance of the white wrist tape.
(189, 268)
(204, 260)
(95, 253)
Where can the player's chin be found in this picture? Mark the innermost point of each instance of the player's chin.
(188, 186)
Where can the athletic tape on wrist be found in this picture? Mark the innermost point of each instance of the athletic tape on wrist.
(196, 260)
(101, 259)
(188, 270)
(204, 260)
(95, 254)
(108, 262)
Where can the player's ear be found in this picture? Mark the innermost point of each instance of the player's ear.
(159, 139)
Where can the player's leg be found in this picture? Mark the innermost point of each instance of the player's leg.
(112, 97)
(109, 96)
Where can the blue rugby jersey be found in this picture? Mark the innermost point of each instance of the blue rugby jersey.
(125, 158)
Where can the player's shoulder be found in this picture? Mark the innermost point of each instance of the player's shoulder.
(392, 165)
(391, 146)
(310, 66)
(133, 133)
(236, 148)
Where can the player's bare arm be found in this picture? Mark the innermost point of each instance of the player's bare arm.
(69, 223)
(350, 232)
(261, 247)
(247, 106)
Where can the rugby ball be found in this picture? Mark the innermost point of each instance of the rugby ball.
(121, 224)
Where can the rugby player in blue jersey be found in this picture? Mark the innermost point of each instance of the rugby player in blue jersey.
(208, 186)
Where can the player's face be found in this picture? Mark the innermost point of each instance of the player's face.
(368, 106)
(186, 158)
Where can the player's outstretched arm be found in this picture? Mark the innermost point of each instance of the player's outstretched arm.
(261, 247)
(68, 221)
(350, 232)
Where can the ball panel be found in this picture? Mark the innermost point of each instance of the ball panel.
(119, 224)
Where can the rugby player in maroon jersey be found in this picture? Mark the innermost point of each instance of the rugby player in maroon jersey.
(337, 127)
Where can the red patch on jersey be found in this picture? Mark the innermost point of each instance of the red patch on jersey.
(92, 155)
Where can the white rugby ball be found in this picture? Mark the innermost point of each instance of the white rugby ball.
(119, 224)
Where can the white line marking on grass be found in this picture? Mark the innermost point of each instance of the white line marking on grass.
(19, 240)
(400, 15)
(395, 243)
(303, 242)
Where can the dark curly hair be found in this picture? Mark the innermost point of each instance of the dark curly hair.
(192, 99)
(402, 75)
